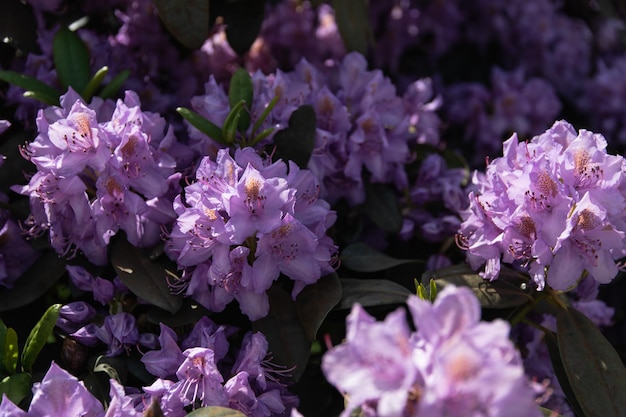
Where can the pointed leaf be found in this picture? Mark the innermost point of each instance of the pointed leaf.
(38, 336)
(186, 20)
(316, 301)
(215, 411)
(353, 24)
(593, 367)
(94, 83)
(361, 257)
(259, 121)
(296, 142)
(71, 59)
(31, 84)
(232, 120)
(145, 278)
(243, 19)
(381, 206)
(11, 351)
(3, 340)
(16, 387)
(49, 100)
(241, 90)
(370, 293)
(504, 292)
(111, 89)
(559, 371)
(203, 125)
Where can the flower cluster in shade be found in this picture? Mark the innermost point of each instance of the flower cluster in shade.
(452, 365)
(362, 124)
(553, 205)
(242, 223)
(103, 167)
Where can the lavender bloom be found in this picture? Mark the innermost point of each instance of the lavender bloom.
(8, 409)
(74, 315)
(121, 405)
(103, 290)
(165, 361)
(119, 332)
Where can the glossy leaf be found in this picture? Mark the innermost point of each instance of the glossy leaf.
(295, 143)
(94, 83)
(381, 206)
(110, 90)
(145, 278)
(71, 60)
(215, 411)
(559, 370)
(353, 24)
(203, 125)
(241, 90)
(229, 129)
(361, 257)
(11, 351)
(243, 19)
(43, 90)
(371, 292)
(504, 292)
(316, 301)
(38, 336)
(33, 283)
(16, 387)
(593, 367)
(186, 20)
(266, 111)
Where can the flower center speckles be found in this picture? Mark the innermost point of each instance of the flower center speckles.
(254, 200)
(282, 232)
(526, 226)
(461, 368)
(211, 214)
(587, 220)
(587, 172)
(546, 189)
(546, 185)
(112, 187)
(82, 137)
(129, 147)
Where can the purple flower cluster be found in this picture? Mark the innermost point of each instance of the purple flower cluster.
(553, 205)
(439, 370)
(243, 223)
(103, 167)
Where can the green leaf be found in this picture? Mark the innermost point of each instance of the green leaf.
(32, 84)
(186, 20)
(16, 387)
(593, 367)
(71, 60)
(3, 340)
(111, 89)
(316, 301)
(243, 19)
(51, 101)
(215, 411)
(296, 142)
(504, 292)
(559, 371)
(203, 125)
(422, 293)
(145, 278)
(11, 351)
(241, 90)
(381, 206)
(232, 121)
(259, 121)
(38, 336)
(94, 83)
(353, 24)
(361, 257)
(371, 292)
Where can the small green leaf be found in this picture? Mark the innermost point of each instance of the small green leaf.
(186, 20)
(258, 138)
(111, 89)
(215, 411)
(259, 121)
(353, 24)
(593, 367)
(232, 120)
(11, 351)
(381, 206)
(16, 387)
(33, 85)
(203, 125)
(422, 293)
(71, 59)
(241, 90)
(38, 336)
(432, 290)
(296, 142)
(94, 83)
(371, 292)
(361, 257)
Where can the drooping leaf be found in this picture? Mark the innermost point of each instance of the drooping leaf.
(16, 387)
(11, 351)
(71, 59)
(33, 283)
(361, 257)
(371, 292)
(111, 89)
(145, 278)
(593, 367)
(215, 411)
(381, 206)
(296, 142)
(186, 20)
(241, 90)
(203, 125)
(504, 292)
(94, 83)
(353, 24)
(43, 90)
(559, 370)
(243, 19)
(38, 336)
(287, 337)
(316, 301)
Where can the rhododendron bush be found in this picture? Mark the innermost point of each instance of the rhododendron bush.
(312, 208)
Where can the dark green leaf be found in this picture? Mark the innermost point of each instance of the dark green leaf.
(33, 283)
(504, 292)
(71, 60)
(243, 19)
(31, 84)
(186, 20)
(353, 24)
(38, 336)
(16, 387)
(593, 367)
(559, 371)
(94, 83)
(316, 301)
(363, 258)
(259, 121)
(145, 278)
(287, 337)
(381, 206)
(371, 292)
(11, 351)
(232, 121)
(296, 142)
(111, 89)
(215, 411)
(203, 125)
(241, 90)
(51, 101)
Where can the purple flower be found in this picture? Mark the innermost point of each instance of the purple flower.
(120, 405)
(16, 255)
(74, 315)
(8, 409)
(119, 332)
(165, 361)
(200, 382)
